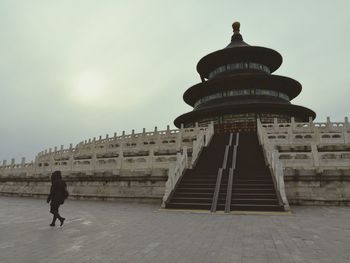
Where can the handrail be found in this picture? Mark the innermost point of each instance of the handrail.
(203, 140)
(229, 191)
(231, 138)
(237, 139)
(219, 177)
(230, 176)
(175, 174)
(197, 147)
(216, 191)
(209, 132)
(224, 162)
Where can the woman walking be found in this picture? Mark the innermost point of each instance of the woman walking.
(58, 193)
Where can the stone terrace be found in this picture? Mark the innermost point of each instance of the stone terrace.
(98, 231)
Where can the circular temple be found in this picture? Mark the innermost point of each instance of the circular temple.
(237, 88)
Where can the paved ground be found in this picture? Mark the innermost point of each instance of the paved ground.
(130, 232)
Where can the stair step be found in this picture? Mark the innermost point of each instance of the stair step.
(197, 185)
(254, 195)
(181, 199)
(254, 186)
(213, 180)
(202, 206)
(197, 190)
(192, 200)
(206, 177)
(255, 201)
(193, 172)
(254, 207)
(192, 194)
(251, 190)
(253, 181)
(258, 180)
(200, 178)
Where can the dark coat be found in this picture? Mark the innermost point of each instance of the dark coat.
(58, 192)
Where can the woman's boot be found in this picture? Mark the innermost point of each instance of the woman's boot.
(61, 219)
(53, 220)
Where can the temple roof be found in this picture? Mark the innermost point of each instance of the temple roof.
(288, 109)
(239, 51)
(236, 39)
(283, 84)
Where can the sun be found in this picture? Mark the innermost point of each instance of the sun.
(90, 87)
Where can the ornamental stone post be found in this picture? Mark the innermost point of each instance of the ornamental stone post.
(346, 128)
(315, 155)
(121, 157)
(329, 124)
(151, 158)
(178, 140)
(275, 124)
(292, 124)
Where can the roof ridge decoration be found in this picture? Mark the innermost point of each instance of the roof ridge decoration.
(236, 39)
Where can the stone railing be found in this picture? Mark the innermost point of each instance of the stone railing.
(277, 172)
(175, 173)
(209, 133)
(315, 159)
(275, 165)
(307, 144)
(136, 151)
(203, 139)
(305, 132)
(304, 146)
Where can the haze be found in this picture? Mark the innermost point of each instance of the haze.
(72, 70)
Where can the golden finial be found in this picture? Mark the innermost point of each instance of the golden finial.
(236, 25)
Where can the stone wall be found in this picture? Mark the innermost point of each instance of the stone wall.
(309, 187)
(136, 186)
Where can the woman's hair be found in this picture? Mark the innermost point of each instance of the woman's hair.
(56, 176)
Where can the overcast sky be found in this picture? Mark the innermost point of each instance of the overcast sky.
(72, 70)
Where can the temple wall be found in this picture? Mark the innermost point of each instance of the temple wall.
(107, 187)
(311, 187)
(315, 159)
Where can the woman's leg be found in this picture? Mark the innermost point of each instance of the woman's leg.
(60, 217)
(53, 220)
(54, 211)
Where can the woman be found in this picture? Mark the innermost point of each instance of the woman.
(58, 193)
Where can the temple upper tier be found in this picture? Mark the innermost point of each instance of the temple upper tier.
(237, 88)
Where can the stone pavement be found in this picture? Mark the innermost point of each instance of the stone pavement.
(97, 231)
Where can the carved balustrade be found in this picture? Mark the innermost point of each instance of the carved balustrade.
(135, 151)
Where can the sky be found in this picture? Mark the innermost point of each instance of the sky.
(73, 70)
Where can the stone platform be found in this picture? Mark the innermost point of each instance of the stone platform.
(97, 231)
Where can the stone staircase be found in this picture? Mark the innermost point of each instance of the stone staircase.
(253, 188)
(196, 188)
(207, 187)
